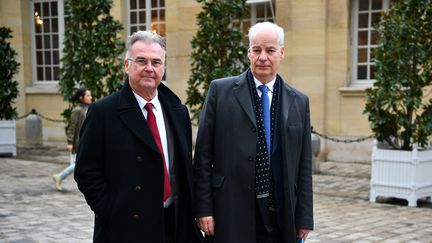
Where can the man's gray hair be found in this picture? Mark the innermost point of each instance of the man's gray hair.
(145, 36)
(267, 25)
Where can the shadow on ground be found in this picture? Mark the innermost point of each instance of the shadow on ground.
(53, 153)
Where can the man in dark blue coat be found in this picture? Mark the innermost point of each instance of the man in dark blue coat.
(134, 162)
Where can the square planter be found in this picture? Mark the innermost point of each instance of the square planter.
(401, 174)
(8, 137)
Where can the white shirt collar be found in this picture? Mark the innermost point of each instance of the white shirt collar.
(142, 102)
(270, 84)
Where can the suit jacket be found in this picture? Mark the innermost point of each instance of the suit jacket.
(120, 171)
(225, 161)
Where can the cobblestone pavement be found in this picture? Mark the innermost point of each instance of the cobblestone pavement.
(31, 210)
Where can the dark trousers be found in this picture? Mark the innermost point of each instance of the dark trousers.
(263, 235)
(169, 221)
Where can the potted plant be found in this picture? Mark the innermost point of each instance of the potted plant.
(399, 105)
(8, 93)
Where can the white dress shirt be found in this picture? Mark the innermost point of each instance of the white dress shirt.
(160, 122)
(270, 85)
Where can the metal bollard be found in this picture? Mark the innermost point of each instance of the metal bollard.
(316, 146)
(34, 129)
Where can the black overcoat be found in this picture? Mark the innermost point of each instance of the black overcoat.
(120, 172)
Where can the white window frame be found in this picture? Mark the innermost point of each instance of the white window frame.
(60, 33)
(148, 23)
(355, 82)
(266, 4)
(149, 8)
(253, 19)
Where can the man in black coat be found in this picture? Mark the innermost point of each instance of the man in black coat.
(134, 162)
(254, 178)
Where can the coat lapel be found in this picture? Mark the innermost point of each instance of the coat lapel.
(286, 99)
(243, 96)
(179, 122)
(173, 109)
(131, 115)
(287, 96)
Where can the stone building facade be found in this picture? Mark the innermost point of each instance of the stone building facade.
(328, 46)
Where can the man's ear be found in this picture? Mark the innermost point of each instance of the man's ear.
(126, 65)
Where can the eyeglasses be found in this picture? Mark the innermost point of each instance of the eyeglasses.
(142, 62)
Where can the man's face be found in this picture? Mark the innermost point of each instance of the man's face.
(147, 67)
(265, 55)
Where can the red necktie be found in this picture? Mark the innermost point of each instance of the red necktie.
(151, 121)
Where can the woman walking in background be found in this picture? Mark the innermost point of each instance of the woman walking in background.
(83, 99)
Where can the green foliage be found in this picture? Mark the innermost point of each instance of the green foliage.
(92, 50)
(399, 105)
(8, 68)
(218, 50)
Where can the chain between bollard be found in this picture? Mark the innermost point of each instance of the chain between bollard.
(338, 140)
(23, 116)
(33, 111)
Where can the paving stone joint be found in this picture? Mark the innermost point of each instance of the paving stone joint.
(32, 210)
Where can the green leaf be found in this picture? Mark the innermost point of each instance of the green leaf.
(92, 53)
(218, 50)
(397, 108)
(8, 68)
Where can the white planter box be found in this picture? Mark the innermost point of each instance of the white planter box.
(401, 174)
(8, 137)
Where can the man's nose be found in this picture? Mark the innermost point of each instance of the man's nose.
(148, 66)
(263, 56)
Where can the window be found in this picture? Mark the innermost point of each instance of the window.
(47, 32)
(146, 15)
(365, 14)
(259, 11)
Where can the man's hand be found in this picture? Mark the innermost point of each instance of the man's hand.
(303, 233)
(206, 224)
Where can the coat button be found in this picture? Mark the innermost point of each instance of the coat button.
(139, 158)
(250, 158)
(249, 187)
(253, 129)
(135, 216)
(137, 188)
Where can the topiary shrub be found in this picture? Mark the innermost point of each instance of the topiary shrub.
(93, 50)
(218, 50)
(399, 105)
(8, 68)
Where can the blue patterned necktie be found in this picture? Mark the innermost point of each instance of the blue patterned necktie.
(265, 103)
